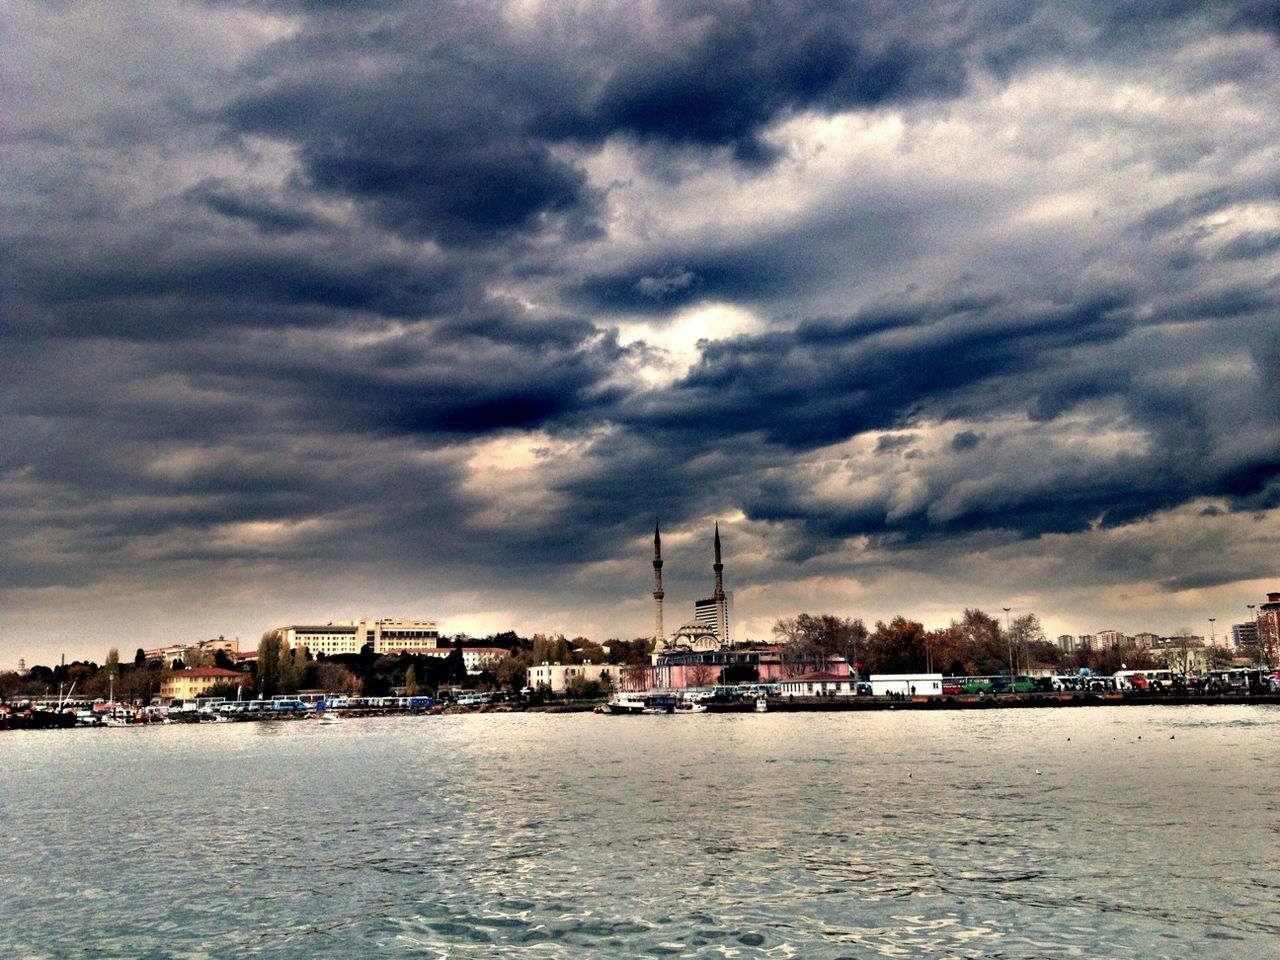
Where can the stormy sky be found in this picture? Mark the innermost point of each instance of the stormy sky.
(312, 310)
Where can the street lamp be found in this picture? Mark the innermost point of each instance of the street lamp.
(1212, 636)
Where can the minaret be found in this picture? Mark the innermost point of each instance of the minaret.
(658, 634)
(722, 604)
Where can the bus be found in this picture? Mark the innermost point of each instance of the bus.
(1152, 679)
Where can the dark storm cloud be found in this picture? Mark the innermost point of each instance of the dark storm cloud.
(254, 206)
(828, 380)
(265, 296)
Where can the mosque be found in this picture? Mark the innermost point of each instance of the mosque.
(709, 630)
(702, 652)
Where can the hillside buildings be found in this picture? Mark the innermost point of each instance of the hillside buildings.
(389, 635)
(197, 681)
(183, 651)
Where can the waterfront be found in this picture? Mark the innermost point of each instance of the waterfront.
(1134, 832)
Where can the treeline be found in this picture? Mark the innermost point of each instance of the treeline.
(136, 681)
(977, 644)
(366, 673)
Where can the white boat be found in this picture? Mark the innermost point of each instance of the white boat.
(762, 705)
(329, 719)
(690, 706)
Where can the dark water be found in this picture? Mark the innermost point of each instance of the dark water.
(1107, 832)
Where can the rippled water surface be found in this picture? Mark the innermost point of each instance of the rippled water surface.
(1104, 832)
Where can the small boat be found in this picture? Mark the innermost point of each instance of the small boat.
(762, 705)
(329, 719)
(659, 703)
(690, 706)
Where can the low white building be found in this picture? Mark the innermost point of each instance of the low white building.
(556, 677)
(907, 684)
(820, 684)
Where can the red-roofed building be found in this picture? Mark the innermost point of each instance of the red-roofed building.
(196, 682)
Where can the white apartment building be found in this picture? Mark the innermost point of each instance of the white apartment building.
(329, 639)
(556, 676)
(387, 635)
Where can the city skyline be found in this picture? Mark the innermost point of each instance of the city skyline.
(312, 312)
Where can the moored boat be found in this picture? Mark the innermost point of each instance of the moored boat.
(627, 703)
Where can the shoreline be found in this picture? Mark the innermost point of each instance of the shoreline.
(45, 720)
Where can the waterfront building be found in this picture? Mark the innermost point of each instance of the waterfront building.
(197, 681)
(689, 669)
(907, 684)
(819, 684)
(556, 677)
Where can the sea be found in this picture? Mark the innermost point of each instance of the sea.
(1110, 832)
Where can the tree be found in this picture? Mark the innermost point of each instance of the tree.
(511, 671)
(549, 649)
(584, 688)
(898, 646)
(112, 666)
(456, 664)
(411, 681)
(984, 648)
(140, 658)
(701, 674)
(271, 653)
(1026, 632)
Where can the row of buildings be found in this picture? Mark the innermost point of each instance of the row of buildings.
(1262, 627)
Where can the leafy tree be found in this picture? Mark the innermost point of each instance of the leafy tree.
(899, 646)
(411, 681)
(550, 649)
(456, 665)
(583, 688)
(112, 666)
(512, 671)
(271, 654)
(140, 658)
